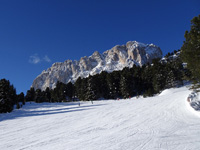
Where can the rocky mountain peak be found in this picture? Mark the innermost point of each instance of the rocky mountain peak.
(116, 58)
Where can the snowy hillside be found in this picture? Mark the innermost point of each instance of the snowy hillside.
(160, 122)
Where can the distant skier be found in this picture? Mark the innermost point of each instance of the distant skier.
(92, 102)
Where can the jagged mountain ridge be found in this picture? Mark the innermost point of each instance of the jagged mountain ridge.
(116, 58)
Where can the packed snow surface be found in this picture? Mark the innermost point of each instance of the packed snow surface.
(155, 123)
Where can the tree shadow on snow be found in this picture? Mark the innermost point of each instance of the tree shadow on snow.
(41, 109)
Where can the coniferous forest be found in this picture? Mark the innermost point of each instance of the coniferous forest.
(147, 80)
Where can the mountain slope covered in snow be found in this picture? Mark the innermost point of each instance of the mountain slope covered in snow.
(160, 122)
(116, 58)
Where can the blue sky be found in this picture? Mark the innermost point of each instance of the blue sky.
(36, 33)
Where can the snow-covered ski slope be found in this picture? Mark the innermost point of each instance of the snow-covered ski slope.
(155, 123)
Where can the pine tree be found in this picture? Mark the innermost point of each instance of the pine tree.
(112, 86)
(8, 96)
(47, 95)
(21, 98)
(59, 93)
(191, 50)
(174, 73)
(54, 96)
(170, 80)
(91, 89)
(30, 95)
(81, 88)
(117, 78)
(38, 96)
(77, 88)
(12, 94)
(145, 79)
(126, 84)
(69, 90)
(103, 86)
(159, 76)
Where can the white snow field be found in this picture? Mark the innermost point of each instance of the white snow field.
(163, 122)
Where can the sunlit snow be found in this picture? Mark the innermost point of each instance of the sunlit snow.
(161, 122)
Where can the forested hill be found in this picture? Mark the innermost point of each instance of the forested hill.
(146, 80)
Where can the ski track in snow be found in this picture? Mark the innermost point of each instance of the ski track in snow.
(163, 122)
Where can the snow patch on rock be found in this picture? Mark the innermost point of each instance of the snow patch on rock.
(116, 58)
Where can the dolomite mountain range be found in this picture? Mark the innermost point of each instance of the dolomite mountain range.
(116, 58)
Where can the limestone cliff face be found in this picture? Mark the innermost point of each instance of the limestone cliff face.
(116, 58)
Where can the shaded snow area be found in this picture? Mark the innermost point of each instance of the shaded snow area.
(194, 100)
(161, 122)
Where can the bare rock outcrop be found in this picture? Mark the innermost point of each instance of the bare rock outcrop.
(116, 58)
